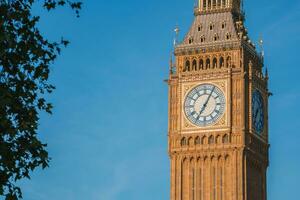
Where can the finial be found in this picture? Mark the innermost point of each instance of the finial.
(261, 46)
(171, 62)
(176, 30)
(267, 73)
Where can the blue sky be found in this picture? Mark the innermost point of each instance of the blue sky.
(108, 135)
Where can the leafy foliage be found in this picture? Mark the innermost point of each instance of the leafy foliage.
(25, 58)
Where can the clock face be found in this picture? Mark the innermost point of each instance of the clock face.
(257, 111)
(204, 105)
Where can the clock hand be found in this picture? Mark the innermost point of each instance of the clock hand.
(207, 100)
(210, 95)
(202, 109)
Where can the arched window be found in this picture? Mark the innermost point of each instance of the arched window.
(223, 25)
(214, 3)
(215, 63)
(200, 27)
(201, 64)
(219, 3)
(209, 4)
(194, 65)
(202, 39)
(218, 139)
(221, 62)
(228, 36)
(203, 140)
(216, 37)
(228, 61)
(225, 139)
(204, 5)
(207, 63)
(224, 3)
(211, 140)
(187, 66)
(197, 141)
(183, 142)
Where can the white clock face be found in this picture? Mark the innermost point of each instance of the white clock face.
(204, 105)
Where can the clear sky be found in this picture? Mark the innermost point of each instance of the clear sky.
(108, 135)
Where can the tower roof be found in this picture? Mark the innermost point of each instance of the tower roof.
(217, 23)
(214, 29)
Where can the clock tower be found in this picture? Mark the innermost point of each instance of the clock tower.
(218, 109)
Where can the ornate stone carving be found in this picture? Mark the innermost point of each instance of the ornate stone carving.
(229, 146)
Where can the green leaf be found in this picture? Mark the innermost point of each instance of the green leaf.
(25, 60)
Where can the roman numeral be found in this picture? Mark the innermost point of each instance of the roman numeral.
(192, 98)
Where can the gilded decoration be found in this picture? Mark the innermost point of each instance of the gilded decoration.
(214, 151)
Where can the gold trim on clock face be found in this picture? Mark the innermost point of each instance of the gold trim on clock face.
(204, 105)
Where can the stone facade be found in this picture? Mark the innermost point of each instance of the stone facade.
(227, 160)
